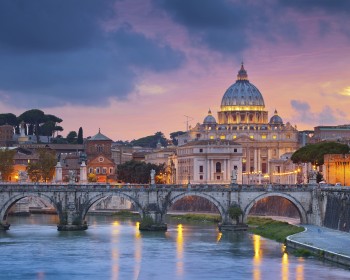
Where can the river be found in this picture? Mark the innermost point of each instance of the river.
(113, 248)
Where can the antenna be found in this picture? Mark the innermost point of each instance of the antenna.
(188, 118)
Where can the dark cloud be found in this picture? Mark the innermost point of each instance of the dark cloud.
(327, 116)
(329, 6)
(56, 52)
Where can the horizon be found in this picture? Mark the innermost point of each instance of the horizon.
(132, 68)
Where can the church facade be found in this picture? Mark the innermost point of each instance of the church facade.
(242, 120)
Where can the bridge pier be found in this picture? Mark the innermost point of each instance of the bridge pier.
(4, 226)
(152, 219)
(72, 220)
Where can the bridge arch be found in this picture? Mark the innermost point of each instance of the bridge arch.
(212, 199)
(100, 196)
(13, 199)
(296, 203)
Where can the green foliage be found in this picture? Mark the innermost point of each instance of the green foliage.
(302, 253)
(150, 141)
(72, 137)
(8, 118)
(92, 177)
(314, 153)
(137, 171)
(173, 136)
(6, 163)
(213, 218)
(146, 222)
(272, 229)
(44, 168)
(80, 139)
(34, 117)
(235, 212)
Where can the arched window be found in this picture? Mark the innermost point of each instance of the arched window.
(218, 167)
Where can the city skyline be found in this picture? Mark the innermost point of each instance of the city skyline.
(132, 68)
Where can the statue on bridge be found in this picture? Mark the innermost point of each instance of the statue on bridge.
(153, 173)
(72, 176)
(234, 176)
(22, 176)
(312, 176)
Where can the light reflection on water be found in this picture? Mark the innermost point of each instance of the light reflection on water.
(116, 249)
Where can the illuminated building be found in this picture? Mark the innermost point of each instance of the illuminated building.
(243, 119)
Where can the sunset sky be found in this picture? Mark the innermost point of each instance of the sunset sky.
(135, 67)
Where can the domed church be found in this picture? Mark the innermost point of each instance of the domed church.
(243, 121)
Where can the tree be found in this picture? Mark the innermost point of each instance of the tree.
(80, 139)
(6, 163)
(34, 117)
(314, 153)
(235, 212)
(8, 118)
(44, 168)
(151, 141)
(72, 137)
(173, 136)
(137, 171)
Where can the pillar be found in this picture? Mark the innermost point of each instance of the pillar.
(83, 173)
(58, 168)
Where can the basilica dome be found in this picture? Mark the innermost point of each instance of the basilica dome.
(242, 95)
(276, 119)
(209, 119)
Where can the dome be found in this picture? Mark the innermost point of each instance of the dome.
(209, 119)
(276, 119)
(242, 95)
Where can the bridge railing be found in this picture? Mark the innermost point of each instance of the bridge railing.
(193, 187)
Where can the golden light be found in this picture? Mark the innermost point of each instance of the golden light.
(285, 263)
(345, 91)
(257, 257)
(179, 250)
(218, 238)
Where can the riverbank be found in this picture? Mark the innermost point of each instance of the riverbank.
(324, 243)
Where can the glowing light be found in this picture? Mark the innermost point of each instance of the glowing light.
(285, 263)
(211, 137)
(138, 251)
(234, 136)
(263, 136)
(179, 250)
(345, 91)
(222, 137)
(257, 257)
(218, 238)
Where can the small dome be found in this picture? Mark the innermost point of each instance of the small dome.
(242, 93)
(276, 119)
(209, 119)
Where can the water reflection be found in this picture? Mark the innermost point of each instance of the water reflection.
(179, 250)
(138, 251)
(300, 269)
(218, 238)
(257, 257)
(285, 266)
(114, 252)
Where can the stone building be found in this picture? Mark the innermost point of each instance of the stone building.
(243, 119)
(99, 158)
(209, 162)
(336, 169)
(6, 135)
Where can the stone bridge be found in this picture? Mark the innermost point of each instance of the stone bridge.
(72, 202)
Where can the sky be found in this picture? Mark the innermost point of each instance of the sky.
(135, 67)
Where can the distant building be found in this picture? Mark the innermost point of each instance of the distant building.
(243, 119)
(99, 158)
(209, 162)
(336, 169)
(338, 133)
(6, 135)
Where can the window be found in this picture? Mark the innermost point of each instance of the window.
(222, 137)
(263, 136)
(218, 167)
(211, 137)
(110, 170)
(201, 168)
(201, 177)
(97, 170)
(91, 170)
(201, 150)
(218, 177)
(104, 170)
(235, 150)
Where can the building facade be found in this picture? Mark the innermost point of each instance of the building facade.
(243, 119)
